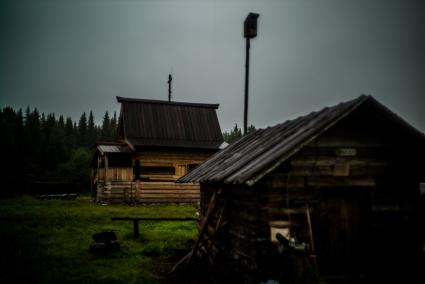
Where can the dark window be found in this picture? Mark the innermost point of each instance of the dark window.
(158, 170)
(191, 167)
(119, 160)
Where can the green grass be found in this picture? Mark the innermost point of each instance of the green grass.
(48, 241)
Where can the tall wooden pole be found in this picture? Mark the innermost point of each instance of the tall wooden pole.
(245, 114)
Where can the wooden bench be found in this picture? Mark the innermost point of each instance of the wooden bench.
(65, 196)
(136, 221)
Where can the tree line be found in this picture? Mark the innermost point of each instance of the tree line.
(39, 145)
(235, 133)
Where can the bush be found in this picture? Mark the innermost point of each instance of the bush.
(77, 167)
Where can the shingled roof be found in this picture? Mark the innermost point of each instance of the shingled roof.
(169, 124)
(258, 153)
(111, 148)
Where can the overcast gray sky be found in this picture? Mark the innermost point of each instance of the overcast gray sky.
(73, 56)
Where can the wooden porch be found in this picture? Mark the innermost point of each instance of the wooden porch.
(116, 185)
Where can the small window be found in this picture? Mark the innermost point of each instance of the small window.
(119, 160)
(157, 170)
(190, 167)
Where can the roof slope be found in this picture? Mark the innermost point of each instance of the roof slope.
(169, 124)
(258, 153)
(111, 148)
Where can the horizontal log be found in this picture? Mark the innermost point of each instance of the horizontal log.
(329, 170)
(175, 191)
(152, 219)
(119, 189)
(331, 161)
(168, 200)
(162, 187)
(167, 154)
(172, 187)
(147, 183)
(340, 141)
(282, 180)
(141, 188)
(149, 201)
(366, 151)
(120, 182)
(341, 181)
(168, 195)
(155, 196)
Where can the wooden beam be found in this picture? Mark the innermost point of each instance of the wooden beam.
(106, 168)
(136, 220)
(153, 219)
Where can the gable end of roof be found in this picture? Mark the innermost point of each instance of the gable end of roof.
(260, 152)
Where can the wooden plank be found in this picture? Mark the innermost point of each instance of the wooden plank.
(168, 195)
(330, 161)
(358, 140)
(176, 191)
(276, 180)
(341, 181)
(328, 170)
(211, 208)
(168, 200)
(161, 185)
(287, 143)
(181, 155)
(153, 219)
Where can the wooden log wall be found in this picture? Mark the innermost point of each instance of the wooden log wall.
(114, 174)
(115, 185)
(368, 181)
(355, 172)
(236, 236)
(117, 192)
(180, 159)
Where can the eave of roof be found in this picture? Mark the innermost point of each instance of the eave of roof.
(258, 153)
(146, 101)
(155, 123)
(214, 145)
(113, 148)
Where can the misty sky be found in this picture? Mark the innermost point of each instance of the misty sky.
(73, 56)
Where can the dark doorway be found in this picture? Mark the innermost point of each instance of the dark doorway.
(341, 230)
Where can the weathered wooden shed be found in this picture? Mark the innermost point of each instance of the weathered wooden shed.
(158, 142)
(342, 185)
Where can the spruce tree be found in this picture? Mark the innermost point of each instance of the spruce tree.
(113, 127)
(106, 127)
(82, 131)
(91, 131)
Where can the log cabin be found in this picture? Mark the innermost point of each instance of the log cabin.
(340, 185)
(158, 142)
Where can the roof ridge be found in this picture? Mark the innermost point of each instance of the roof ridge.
(172, 103)
(239, 164)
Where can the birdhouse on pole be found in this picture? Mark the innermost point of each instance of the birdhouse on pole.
(250, 31)
(250, 25)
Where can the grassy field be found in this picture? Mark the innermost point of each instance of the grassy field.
(48, 241)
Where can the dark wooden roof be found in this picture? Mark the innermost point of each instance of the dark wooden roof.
(113, 148)
(169, 124)
(258, 153)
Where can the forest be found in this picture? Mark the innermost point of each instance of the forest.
(37, 145)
